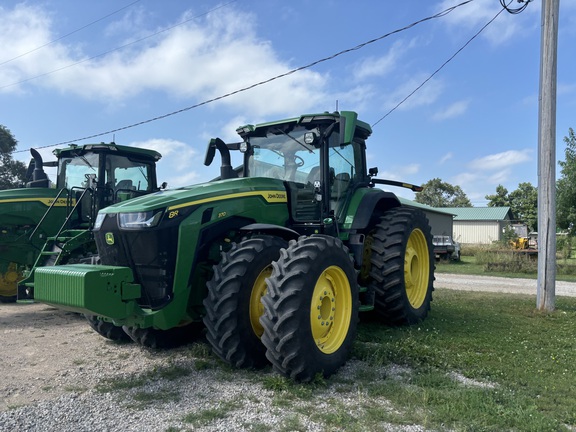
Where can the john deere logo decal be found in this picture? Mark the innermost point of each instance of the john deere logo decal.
(109, 238)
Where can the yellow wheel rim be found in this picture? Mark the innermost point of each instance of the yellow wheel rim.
(256, 306)
(9, 280)
(416, 268)
(331, 310)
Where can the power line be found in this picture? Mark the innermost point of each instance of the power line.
(68, 34)
(325, 59)
(117, 48)
(505, 8)
(517, 10)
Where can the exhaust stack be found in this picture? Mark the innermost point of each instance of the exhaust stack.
(39, 177)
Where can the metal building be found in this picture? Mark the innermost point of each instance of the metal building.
(479, 225)
(440, 219)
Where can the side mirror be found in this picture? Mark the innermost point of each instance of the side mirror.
(210, 152)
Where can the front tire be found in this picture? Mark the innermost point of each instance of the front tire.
(8, 299)
(233, 305)
(311, 308)
(165, 339)
(402, 266)
(107, 329)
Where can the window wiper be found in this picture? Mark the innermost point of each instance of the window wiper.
(83, 159)
(141, 168)
(294, 139)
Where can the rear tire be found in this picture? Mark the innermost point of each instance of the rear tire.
(233, 305)
(311, 308)
(107, 329)
(402, 266)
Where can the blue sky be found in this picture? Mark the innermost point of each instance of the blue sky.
(63, 76)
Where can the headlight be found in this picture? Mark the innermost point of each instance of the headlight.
(99, 219)
(137, 220)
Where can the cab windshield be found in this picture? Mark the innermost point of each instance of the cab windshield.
(285, 156)
(126, 174)
(74, 172)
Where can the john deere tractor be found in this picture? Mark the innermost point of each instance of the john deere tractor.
(276, 257)
(42, 225)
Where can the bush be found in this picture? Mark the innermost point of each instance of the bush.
(503, 260)
(474, 249)
(564, 244)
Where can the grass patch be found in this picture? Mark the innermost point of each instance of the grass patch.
(519, 363)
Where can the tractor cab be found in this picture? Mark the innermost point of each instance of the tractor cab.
(97, 175)
(320, 159)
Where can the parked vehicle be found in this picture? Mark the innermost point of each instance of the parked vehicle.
(446, 248)
(276, 258)
(42, 225)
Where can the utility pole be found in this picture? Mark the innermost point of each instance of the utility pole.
(546, 288)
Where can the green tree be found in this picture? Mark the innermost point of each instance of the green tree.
(437, 193)
(566, 187)
(500, 198)
(524, 204)
(12, 172)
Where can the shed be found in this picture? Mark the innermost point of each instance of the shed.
(479, 225)
(440, 219)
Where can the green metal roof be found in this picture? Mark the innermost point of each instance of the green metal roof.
(425, 207)
(480, 213)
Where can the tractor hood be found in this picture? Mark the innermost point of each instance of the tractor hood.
(26, 205)
(269, 189)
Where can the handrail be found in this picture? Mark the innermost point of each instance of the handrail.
(78, 201)
(47, 212)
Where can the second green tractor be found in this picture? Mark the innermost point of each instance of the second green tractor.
(276, 258)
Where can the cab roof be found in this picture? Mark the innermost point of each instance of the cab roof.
(351, 118)
(110, 148)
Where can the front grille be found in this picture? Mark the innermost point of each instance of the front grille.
(151, 254)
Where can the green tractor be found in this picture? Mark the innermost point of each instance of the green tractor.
(42, 225)
(276, 257)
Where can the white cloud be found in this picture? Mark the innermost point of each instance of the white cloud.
(179, 164)
(381, 66)
(500, 177)
(426, 95)
(502, 160)
(465, 178)
(446, 157)
(401, 173)
(454, 110)
(196, 61)
(485, 173)
(473, 16)
(185, 179)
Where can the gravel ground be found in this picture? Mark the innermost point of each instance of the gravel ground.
(498, 284)
(59, 375)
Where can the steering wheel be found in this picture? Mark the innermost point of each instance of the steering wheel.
(298, 161)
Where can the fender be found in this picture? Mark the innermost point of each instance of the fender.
(275, 230)
(373, 204)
